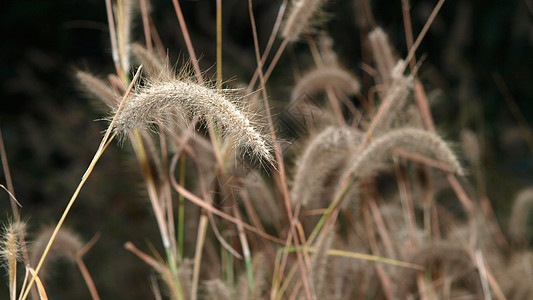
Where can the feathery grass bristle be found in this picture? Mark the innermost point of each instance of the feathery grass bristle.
(325, 153)
(319, 79)
(414, 139)
(216, 289)
(66, 244)
(521, 210)
(453, 260)
(154, 102)
(299, 18)
(153, 65)
(10, 245)
(383, 55)
(98, 88)
(319, 262)
(10, 250)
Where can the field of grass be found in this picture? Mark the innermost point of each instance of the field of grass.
(255, 149)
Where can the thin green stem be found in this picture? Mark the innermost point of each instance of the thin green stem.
(173, 266)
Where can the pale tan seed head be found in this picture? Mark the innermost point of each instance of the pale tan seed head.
(262, 197)
(10, 250)
(393, 105)
(66, 244)
(452, 260)
(299, 18)
(98, 88)
(10, 242)
(185, 272)
(154, 102)
(515, 279)
(470, 145)
(153, 65)
(521, 210)
(124, 15)
(319, 79)
(216, 289)
(329, 56)
(324, 154)
(319, 262)
(382, 54)
(372, 158)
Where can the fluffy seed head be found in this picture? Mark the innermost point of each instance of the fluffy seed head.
(515, 280)
(397, 97)
(319, 262)
(383, 54)
(66, 244)
(10, 252)
(522, 205)
(152, 64)
(454, 261)
(124, 16)
(299, 18)
(319, 79)
(417, 140)
(262, 198)
(470, 145)
(98, 88)
(329, 56)
(158, 100)
(9, 245)
(217, 290)
(324, 153)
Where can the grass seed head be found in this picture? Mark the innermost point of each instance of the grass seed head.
(299, 18)
(319, 79)
(159, 99)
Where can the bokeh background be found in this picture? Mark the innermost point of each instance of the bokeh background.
(478, 68)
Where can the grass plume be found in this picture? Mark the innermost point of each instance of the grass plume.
(10, 252)
(383, 55)
(67, 245)
(319, 79)
(518, 228)
(325, 153)
(98, 88)
(148, 105)
(453, 260)
(368, 162)
(299, 18)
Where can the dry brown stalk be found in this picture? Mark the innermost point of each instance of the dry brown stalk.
(161, 268)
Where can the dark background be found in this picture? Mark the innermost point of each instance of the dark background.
(51, 130)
